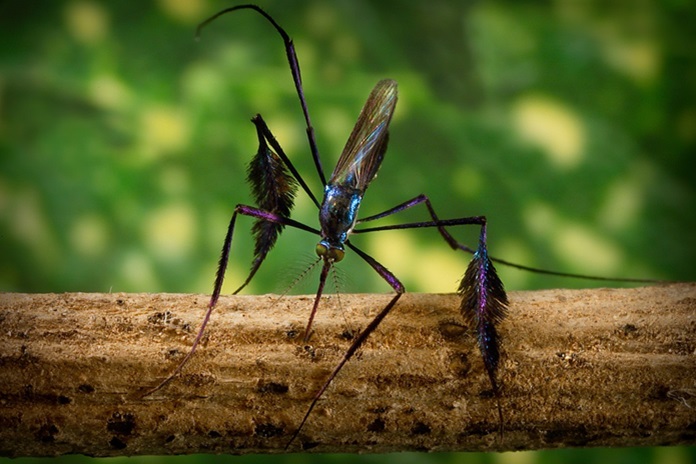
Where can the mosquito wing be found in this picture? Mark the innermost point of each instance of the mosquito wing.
(367, 144)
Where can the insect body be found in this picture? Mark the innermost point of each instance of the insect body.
(274, 182)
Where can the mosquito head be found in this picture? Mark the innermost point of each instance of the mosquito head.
(329, 252)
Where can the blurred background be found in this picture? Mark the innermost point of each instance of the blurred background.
(570, 125)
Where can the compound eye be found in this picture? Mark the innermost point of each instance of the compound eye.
(321, 250)
(336, 254)
(330, 253)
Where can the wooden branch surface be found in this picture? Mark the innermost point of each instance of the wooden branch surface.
(604, 367)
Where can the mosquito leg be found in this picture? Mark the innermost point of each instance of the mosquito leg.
(484, 300)
(220, 275)
(453, 243)
(294, 69)
(360, 339)
(322, 281)
(268, 136)
(484, 304)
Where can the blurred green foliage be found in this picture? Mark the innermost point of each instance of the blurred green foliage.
(124, 143)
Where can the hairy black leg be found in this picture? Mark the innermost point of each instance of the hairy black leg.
(484, 304)
(484, 300)
(273, 190)
(268, 136)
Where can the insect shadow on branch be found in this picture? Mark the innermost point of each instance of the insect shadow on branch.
(274, 184)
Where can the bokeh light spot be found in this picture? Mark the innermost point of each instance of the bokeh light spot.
(623, 203)
(89, 235)
(552, 126)
(87, 21)
(433, 268)
(137, 273)
(540, 219)
(28, 224)
(586, 250)
(164, 130)
(184, 11)
(170, 232)
(467, 181)
(109, 92)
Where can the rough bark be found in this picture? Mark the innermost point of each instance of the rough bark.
(604, 367)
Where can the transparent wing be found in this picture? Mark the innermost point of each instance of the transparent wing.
(366, 145)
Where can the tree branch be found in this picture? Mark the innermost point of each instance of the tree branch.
(605, 367)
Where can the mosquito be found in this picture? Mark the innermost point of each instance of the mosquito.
(274, 183)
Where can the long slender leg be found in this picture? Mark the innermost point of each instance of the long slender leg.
(450, 240)
(484, 301)
(360, 339)
(294, 69)
(436, 222)
(224, 257)
(322, 281)
(220, 276)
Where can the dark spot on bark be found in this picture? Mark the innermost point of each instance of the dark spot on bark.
(308, 445)
(47, 433)
(377, 426)
(309, 350)
(291, 334)
(459, 364)
(272, 387)
(121, 424)
(479, 429)
(120, 302)
(268, 430)
(657, 392)
(85, 388)
(452, 331)
(573, 436)
(214, 434)
(627, 331)
(420, 428)
(116, 443)
(629, 328)
(158, 317)
(348, 334)
(169, 439)
(28, 391)
(380, 409)
(7, 422)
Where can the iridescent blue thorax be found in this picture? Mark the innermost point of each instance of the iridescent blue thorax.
(338, 213)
